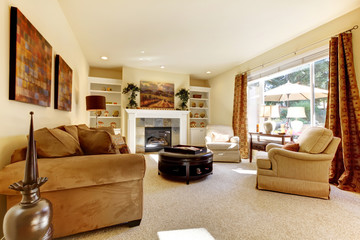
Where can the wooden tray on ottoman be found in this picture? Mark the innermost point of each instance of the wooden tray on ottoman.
(186, 149)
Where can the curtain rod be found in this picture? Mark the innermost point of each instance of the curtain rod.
(295, 52)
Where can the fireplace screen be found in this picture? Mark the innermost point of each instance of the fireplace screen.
(156, 138)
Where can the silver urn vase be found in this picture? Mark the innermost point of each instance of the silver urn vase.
(31, 218)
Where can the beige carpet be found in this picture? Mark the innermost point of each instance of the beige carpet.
(227, 205)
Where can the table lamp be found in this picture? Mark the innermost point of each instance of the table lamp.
(95, 103)
(296, 112)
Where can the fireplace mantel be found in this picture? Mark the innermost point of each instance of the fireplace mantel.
(133, 114)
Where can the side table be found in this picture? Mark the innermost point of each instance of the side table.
(260, 144)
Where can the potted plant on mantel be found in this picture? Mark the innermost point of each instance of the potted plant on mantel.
(184, 95)
(133, 89)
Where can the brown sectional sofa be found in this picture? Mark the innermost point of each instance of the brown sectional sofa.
(87, 191)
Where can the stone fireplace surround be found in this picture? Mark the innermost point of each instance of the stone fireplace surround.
(133, 114)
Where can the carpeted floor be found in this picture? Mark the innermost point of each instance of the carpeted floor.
(228, 206)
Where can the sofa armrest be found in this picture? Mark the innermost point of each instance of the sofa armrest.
(280, 152)
(235, 139)
(207, 139)
(273, 145)
(78, 171)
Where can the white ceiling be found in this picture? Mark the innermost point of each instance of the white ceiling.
(192, 36)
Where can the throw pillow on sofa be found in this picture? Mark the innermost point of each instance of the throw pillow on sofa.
(95, 141)
(120, 144)
(291, 146)
(18, 155)
(56, 143)
(73, 131)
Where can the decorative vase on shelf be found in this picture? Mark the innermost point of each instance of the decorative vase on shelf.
(115, 113)
(32, 217)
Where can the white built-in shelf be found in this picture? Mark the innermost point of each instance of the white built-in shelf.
(197, 133)
(100, 86)
(199, 99)
(112, 104)
(101, 91)
(105, 81)
(103, 117)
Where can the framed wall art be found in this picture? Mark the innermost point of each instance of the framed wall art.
(30, 62)
(63, 84)
(156, 95)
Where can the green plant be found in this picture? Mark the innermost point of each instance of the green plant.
(133, 89)
(184, 95)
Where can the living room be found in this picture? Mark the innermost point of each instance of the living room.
(50, 18)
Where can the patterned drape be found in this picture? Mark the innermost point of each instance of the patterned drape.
(343, 114)
(240, 113)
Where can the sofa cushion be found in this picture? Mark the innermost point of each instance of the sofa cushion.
(291, 146)
(78, 171)
(56, 143)
(95, 141)
(228, 146)
(262, 160)
(315, 139)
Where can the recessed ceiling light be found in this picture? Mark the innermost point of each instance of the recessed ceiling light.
(104, 57)
(208, 72)
(162, 66)
(142, 51)
(141, 59)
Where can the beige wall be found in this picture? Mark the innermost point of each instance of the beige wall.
(222, 86)
(133, 75)
(47, 17)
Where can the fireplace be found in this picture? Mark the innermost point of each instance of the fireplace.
(138, 119)
(156, 138)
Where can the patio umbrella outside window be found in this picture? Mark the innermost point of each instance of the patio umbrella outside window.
(293, 92)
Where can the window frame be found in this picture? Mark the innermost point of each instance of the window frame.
(286, 67)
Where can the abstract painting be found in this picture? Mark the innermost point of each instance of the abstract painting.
(63, 84)
(156, 95)
(30, 62)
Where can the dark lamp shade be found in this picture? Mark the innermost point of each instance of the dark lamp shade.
(95, 103)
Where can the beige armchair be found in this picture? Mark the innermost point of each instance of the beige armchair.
(305, 172)
(221, 141)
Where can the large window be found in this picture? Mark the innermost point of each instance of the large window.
(298, 96)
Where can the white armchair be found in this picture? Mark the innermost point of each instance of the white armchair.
(221, 141)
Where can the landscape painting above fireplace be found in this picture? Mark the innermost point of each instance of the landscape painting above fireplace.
(156, 95)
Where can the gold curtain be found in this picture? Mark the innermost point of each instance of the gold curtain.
(239, 121)
(343, 114)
